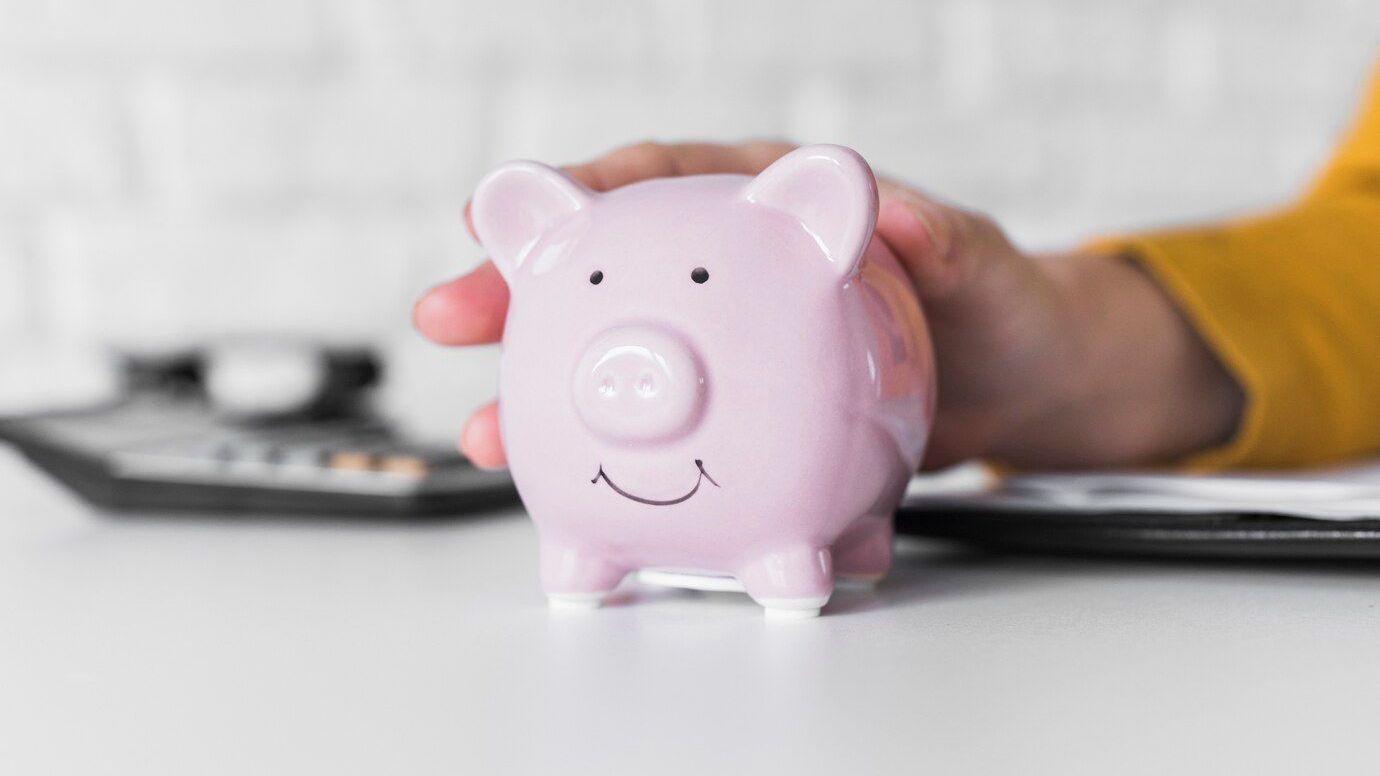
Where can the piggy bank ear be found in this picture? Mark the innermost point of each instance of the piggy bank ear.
(516, 204)
(830, 189)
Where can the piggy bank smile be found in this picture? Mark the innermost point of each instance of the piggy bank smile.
(699, 480)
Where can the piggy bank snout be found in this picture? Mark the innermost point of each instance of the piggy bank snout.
(639, 384)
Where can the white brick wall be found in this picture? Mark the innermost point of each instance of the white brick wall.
(15, 268)
(490, 38)
(175, 169)
(313, 139)
(99, 34)
(783, 38)
(61, 138)
(135, 278)
(574, 116)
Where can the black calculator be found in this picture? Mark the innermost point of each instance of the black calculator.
(165, 447)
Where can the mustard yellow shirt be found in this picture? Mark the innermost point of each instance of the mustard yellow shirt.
(1290, 302)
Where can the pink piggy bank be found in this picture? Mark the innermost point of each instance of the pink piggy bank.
(718, 381)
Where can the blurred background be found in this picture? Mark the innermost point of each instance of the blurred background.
(176, 171)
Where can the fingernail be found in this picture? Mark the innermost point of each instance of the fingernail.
(465, 444)
(469, 222)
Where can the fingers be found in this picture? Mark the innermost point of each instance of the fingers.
(466, 311)
(922, 236)
(481, 441)
(940, 245)
(625, 165)
(642, 161)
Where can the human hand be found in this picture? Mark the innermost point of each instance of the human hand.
(1056, 361)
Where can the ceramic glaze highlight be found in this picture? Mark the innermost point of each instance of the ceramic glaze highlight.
(714, 375)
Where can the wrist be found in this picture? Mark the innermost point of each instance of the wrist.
(1138, 384)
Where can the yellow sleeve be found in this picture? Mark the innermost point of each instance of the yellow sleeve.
(1290, 303)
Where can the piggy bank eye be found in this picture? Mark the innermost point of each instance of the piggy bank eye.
(596, 277)
(699, 274)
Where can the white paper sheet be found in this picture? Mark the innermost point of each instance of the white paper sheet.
(1348, 493)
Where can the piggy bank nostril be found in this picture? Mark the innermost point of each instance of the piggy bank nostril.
(639, 383)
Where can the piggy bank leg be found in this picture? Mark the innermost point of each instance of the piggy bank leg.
(575, 578)
(862, 555)
(792, 583)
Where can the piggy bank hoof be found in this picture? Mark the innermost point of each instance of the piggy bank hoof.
(575, 601)
(792, 608)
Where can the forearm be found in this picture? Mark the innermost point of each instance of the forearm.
(1139, 385)
(1135, 383)
(1288, 302)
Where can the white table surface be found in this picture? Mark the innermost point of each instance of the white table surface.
(152, 645)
